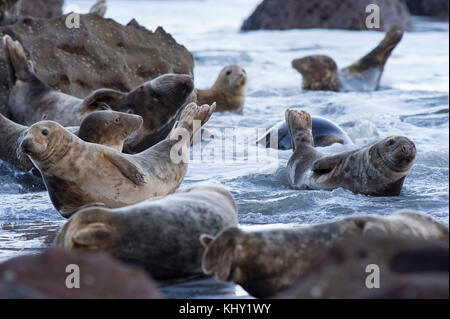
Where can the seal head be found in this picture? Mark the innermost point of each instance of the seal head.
(319, 72)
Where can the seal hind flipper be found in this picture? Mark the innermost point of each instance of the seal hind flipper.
(127, 167)
(377, 57)
(18, 65)
(101, 99)
(300, 127)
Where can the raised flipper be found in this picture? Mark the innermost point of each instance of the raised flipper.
(126, 166)
(20, 68)
(377, 57)
(327, 164)
(300, 127)
(100, 100)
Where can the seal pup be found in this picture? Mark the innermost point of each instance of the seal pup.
(324, 131)
(31, 100)
(229, 90)
(77, 173)
(320, 72)
(377, 170)
(108, 128)
(265, 262)
(160, 234)
(99, 8)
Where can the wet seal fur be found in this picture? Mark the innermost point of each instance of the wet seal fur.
(229, 90)
(324, 131)
(267, 261)
(377, 170)
(78, 174)
(160, 235)
(31, 100)
(320, 72)
(108, 128)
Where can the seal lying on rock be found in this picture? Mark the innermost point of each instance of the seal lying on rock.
(324, 131)
(77, 173)
(161, 234)
(320, 72)
(31, 100)
(377, 170)
(108, 128)
(229, 90)
(267, 261)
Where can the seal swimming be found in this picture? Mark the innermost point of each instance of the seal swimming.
(229, 90)
(77, 173)
(31, 100)
(265, 262)
(320, 72)
(160, 234)
(324, 131)
(108, 128)
(377, 170)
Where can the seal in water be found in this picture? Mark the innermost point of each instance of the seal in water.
(320, 72)
(229, 90)
(377, 170)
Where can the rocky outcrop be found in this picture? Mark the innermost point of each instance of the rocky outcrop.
(101, 53)
(407, 268)
(45, 276)
(330, 14)
(11, 10)
(431, 8)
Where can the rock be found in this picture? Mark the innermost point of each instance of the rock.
(101, 276)
(329, 14)
(408, 268)
(431, 8)
(100, 54)
(40, 8)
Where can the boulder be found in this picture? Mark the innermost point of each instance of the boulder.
(431, 8)
(101, 53)
(407, 268)
(45, 276)
(329, 14)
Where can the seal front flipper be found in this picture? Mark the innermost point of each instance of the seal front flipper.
(101, 99)
(127, 167)
(326, 164)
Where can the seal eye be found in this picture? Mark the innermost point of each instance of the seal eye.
(117, 120)
(45, 132)
(228, 72)
(390, 142)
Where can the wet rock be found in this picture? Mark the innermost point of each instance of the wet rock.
(407, 269)
(44, 276)
(330, 14)
(100, 54)
(431, 8)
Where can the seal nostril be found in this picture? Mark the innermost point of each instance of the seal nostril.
(25, 145)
